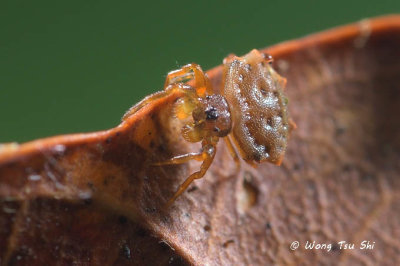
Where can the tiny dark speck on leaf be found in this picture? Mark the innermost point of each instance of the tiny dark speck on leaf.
(141, 232)
(368, 177)
(152, 144)
(88, 201)
(150, 210)
(346, 167)
(161, 148)
(297, 166)
(91, 185)
(193, 188)
(268, 226)
(122, 219)
(227, 243)
(340, 131)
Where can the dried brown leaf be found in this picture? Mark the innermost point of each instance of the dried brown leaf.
(96, 199)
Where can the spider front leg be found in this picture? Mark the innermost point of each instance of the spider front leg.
(189, 72)
(175, 81)
(180, 88)
(206, 155)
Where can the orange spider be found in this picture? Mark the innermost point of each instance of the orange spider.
(251, 111)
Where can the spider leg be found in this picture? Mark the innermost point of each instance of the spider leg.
(198, 156)
(175, 81)
(188, 72)
(181, 88)
(208, 154)
(144, 102)
(232, 151)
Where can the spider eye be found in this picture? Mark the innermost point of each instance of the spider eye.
(211, 113)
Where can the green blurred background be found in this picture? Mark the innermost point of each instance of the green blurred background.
(77, 66)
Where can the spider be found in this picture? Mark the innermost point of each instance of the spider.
(249, 113)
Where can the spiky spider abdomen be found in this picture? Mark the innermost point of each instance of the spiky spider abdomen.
(254, 92)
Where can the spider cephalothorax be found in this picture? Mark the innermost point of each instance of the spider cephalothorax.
(211, 117)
